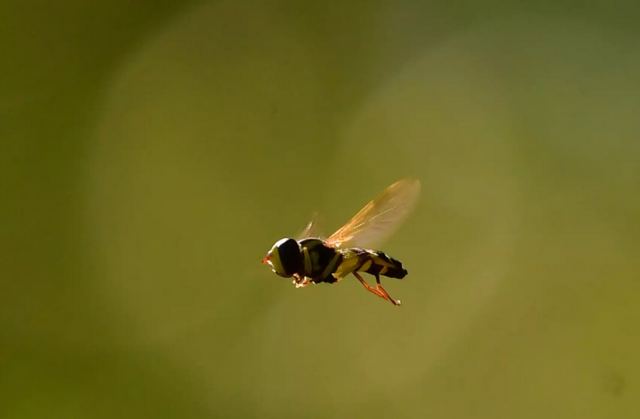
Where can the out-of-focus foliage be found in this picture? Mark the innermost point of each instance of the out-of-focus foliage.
(152, 152)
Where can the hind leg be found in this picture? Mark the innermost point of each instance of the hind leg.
(387, 296)
(378, 290)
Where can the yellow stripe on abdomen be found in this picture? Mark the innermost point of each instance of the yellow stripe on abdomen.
(366, 265)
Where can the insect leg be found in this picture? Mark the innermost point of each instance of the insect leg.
(379, 291)
(301, 282)
(386, 294)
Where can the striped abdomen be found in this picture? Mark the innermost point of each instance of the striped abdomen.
(382, 264)
(373, 262)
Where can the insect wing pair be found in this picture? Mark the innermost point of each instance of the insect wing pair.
(347, 251)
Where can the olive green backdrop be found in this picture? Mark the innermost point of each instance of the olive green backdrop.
(153, 151)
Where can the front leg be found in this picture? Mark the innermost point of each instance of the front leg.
(301, 281)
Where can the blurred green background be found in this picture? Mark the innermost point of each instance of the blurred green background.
(153, 151)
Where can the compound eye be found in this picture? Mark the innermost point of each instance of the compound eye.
(285, 257)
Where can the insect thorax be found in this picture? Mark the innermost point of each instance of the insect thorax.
(319, 260)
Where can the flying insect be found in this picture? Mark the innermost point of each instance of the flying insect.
(312, 260)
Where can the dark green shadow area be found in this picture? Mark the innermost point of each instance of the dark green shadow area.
(59, 355)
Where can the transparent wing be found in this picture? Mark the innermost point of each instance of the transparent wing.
(312, 229)
(380, 217)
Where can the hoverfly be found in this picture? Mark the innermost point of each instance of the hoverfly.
(311, 260)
